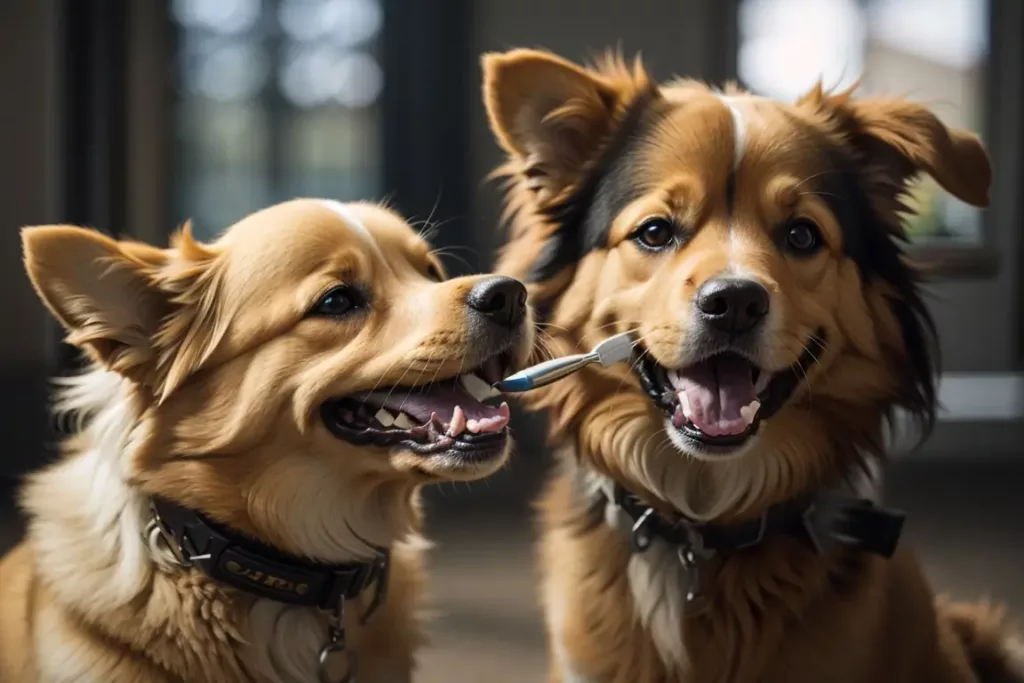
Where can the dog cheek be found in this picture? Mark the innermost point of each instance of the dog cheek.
(854, 316)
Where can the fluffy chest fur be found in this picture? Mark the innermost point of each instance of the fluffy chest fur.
(776, 613)
(102, 603)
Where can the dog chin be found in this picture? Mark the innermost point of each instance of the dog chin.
(455, 464)
(700, 451)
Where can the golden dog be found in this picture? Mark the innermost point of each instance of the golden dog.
(241, 500)
(753, 249)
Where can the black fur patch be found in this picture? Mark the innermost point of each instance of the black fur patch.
(584, 218)
(879, 254)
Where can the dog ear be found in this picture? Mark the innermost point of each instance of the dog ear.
(136, 309)
(555, 120)
(103, 295)
(552, 115)
(898, 139)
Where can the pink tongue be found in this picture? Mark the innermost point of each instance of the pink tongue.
(716, 390)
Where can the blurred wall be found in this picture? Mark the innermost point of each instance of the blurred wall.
(28, 195)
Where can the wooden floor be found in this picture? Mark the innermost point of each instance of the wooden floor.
(965, 518)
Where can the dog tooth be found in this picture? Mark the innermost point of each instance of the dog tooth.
(473, 426)
(402, 421)
(749, 411)
(684, 403)
(476, 387)
(458, 423)
(385, 417)
(762, 381)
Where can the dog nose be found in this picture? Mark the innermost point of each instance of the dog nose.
(501, 300)
(732, 305)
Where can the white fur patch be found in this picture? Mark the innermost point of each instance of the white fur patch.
(658, 584)
(349, 216)
(106, 564)
(738, 130)
(555, 602)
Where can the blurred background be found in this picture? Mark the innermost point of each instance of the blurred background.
(134, 115)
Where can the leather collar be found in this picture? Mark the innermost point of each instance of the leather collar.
(241, 562)
(824, 520)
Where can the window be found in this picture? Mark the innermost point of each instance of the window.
(276, 99)
(932, 51)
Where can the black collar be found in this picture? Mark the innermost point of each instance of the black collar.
(824, 520)
(244, 563)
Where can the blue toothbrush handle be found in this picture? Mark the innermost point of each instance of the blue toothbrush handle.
(516, 383)
(543, 373)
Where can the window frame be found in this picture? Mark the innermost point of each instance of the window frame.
(946, 261)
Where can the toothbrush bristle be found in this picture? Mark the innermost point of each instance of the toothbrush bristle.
(614, 349)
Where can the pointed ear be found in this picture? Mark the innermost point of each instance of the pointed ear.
(550, 113)
(146, 313)
(102, 293)
(901, 139)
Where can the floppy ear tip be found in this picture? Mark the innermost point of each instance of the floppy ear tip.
(973, 168)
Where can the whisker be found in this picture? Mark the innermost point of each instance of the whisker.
(381, 379)
(812, 177)
(632, 366)
(430, 216)
(395, 385)
(463, 247)
(543, 325)
(443, 256)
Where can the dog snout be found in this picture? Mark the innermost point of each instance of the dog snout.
(500, 300)
(732, 305)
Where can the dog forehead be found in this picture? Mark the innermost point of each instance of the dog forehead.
(695, 137)
(730, 142)
(280, 245)
(298, 224)
(292, 240)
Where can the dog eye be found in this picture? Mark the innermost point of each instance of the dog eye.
(803, 237)
(654, 234)
(338, 301)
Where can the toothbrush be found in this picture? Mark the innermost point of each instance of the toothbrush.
(609, 352)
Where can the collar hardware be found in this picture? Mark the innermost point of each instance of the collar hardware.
(825, 520)
(229, 557)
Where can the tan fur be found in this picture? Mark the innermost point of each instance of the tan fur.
(205, 388)
(778, 612)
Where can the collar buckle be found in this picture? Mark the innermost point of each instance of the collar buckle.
(641, 534)
(335, 652)
(156, 534)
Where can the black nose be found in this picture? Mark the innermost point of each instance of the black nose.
(732, 305)
(501, 300)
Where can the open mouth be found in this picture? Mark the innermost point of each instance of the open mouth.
(444, 417)
(718, 403)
